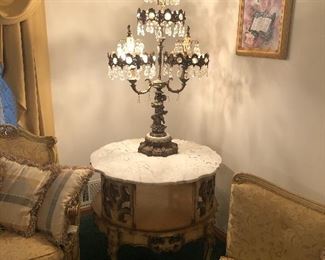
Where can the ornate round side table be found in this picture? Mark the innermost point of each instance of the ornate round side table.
(158, 202)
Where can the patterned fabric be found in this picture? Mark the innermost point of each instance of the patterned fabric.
(267, 222)
(37, 247)
(52, 218)
(8, 107)
(22, 192)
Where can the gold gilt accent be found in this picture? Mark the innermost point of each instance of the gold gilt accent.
(171, 243)
(73, 210)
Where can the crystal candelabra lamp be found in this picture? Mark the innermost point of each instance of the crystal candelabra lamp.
(131, 62)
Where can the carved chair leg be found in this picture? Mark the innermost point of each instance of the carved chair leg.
(113, 244)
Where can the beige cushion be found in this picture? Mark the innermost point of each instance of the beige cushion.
(52, 217)
(267, 222)
(15, 247)
(23, 190)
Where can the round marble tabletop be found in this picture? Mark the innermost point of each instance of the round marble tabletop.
(121, 160)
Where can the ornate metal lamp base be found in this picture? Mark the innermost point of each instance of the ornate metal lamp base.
(158, 146)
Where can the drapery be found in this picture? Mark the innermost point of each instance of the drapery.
(8, 107)
(24, 54)
(2, 115)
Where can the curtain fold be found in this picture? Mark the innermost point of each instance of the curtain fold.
(24, 54)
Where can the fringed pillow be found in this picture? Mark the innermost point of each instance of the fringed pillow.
(66, 188)
(23, 189)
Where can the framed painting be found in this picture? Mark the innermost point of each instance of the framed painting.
(263, 28)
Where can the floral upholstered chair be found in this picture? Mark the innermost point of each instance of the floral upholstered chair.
(267, 222)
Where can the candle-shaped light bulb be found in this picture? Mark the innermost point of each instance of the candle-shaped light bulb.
(141, 46)
(119, 50)
(196, 48)
(130, 44)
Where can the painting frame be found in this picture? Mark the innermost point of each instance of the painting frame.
(252, 47)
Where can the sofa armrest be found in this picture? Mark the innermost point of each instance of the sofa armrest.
(73, 214)
(226, 258)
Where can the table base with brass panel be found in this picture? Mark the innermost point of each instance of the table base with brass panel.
(156, 202)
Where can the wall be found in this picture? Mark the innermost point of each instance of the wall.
(263, 116)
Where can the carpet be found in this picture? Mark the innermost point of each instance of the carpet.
(93, 246)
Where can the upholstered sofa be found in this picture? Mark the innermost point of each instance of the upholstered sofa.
(21, 144)
(267, 222)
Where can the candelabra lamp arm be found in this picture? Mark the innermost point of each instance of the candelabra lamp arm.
(183, 81)
(133, 84)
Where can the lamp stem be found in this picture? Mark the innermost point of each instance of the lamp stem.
(158, 142)
(158, 126)
(160, 55)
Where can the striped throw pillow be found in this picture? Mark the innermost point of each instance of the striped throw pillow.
(52, 217)
(23, 189)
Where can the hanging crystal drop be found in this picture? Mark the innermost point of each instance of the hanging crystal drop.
(152, 72)
(179, 71)
(120, 74)
(181, 30)
(158, 32)
(139, 29)
(170, 72)
(196, 48)
(164, 70)
(168, 29)
(146, 71)
(148, 27)
(110, 73)
(142, 30)
(175, 30)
